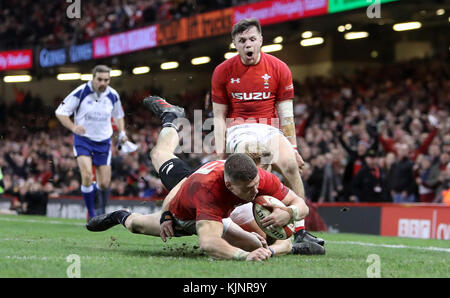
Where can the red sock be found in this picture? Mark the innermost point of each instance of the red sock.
(299, 228)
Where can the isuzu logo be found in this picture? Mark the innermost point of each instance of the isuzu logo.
(250, 95)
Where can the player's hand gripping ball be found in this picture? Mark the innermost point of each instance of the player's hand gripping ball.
(262, 208)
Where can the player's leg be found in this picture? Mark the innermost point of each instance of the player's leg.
(165, 147)
(87, 187)
(103, 177)
(168, 138)
(134, 222)
(286, 164)
(101, 158)
(144, 224)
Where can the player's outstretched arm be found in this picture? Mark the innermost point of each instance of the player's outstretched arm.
(296, 210)
(210, 238)
(166, 228)
(285, 110)
(120, 122)
(220, 113)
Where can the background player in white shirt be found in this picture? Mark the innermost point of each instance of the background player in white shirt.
(93, 104)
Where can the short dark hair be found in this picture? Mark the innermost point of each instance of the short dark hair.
(240, 167)
(243, 25)
(100, 68)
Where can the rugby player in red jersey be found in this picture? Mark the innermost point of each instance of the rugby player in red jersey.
(252, 95)
(200, 201)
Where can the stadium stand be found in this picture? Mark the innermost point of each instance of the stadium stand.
(340, 119)
(31, 23)
(396, 108)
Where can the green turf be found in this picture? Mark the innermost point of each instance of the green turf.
(32, 246)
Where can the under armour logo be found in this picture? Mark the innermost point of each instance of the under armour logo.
(238, 80)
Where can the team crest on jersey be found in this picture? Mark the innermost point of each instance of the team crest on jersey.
(233, 80)
(266, 78)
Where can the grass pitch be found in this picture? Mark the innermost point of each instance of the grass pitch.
(32, 246)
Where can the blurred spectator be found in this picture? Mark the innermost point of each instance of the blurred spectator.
(331, 183)
(370, 183)
(401, 136)
(35, 200)
(315, 180)
(428, 172)
(29, 23)
(402, 177)
(2, 184)
(356, 158)
(443, 191)
(394, 100)
(426, 191)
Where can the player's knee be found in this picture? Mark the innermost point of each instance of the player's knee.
(87, 178)
(103, 184)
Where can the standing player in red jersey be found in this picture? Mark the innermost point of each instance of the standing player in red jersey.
(200, 201)
(251, 93)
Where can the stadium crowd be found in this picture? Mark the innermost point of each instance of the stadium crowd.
(377, 135)
(45, 23)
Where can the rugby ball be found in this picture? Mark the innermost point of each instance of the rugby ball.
(262, 208)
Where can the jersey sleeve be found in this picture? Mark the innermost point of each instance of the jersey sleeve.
(117, 112)
(219, 86)
(68, 106)
(285, 85)
(270, 185)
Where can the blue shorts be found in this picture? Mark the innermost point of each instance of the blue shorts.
(100, 152)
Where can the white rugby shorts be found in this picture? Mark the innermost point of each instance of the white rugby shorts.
(242, 214)
(249, 132)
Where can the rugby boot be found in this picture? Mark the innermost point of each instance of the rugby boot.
(304, 236)
(106, 221)
(159, 106)
(307, 248)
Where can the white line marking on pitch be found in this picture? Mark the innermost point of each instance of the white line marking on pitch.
(433, 248)
(42, 221)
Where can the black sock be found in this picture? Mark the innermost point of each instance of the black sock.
(120, 216)
(168, 117)
(299, 233)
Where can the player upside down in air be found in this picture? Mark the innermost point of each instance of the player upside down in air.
(199, 202)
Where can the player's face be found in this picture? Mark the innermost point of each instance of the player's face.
(246, 191)
(100, 81)
(248, 44)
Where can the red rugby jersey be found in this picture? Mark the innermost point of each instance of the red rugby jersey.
(251, 91)
(204, 196)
